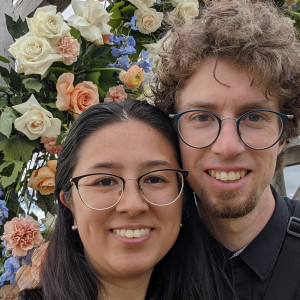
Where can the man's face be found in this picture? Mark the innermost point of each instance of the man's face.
(250, 171)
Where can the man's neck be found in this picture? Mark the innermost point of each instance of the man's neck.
(237, 233)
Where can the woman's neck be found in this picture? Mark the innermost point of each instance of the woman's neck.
(126, 288)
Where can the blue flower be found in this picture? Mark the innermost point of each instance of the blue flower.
(144, 61)
(3, 211)
(127, 47)
(122, 62)
(11, 267)
(132, 23)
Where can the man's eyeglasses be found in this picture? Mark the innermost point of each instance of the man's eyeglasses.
(258, 129)
(100, 191)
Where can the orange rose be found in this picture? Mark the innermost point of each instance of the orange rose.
(77, 98)
(64, 88)
(84, 95)
(43, 179)
(133, 77)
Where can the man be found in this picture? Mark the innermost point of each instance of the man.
(231, 81)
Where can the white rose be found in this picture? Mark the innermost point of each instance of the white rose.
(148, 19)
(34, 55)
(46, 23)
(153, 52)
(139, 3)
(185, 9)
(36, 121)
(90, 19)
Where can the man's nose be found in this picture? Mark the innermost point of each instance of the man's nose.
(228, 143)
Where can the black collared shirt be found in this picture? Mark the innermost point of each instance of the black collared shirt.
(250, 271)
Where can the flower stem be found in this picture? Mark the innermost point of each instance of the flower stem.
(100, 69)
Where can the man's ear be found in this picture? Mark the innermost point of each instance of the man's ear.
(63, 199)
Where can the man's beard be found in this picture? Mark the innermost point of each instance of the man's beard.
(228, 204)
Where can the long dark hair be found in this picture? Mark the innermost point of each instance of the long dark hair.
(187, 272)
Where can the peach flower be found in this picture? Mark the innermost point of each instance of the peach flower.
(116, 94)
(9, 292)
(22, 234)
(50, 144)
(69, 49)
(64, 88)
(77, 98)
(133, 77)
(84, 95)
(43, 179)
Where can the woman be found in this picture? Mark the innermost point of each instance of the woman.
(121, 210)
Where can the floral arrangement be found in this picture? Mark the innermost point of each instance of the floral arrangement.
(106, 51)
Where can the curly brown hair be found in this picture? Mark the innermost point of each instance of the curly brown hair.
(247, 34)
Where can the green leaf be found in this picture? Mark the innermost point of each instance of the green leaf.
(15, 80)
(128, 11)
(4, 72)
(10, 171)
(4, 60)
(3, 88)
(3, 102)
(16, 100)
(93, 76)
(18, 148)
(32, 84)
(101, 52)
(75, 33)
(16, 29)
(6, 122)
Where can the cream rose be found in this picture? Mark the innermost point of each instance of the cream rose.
(148, 19)
(185, 9)
(138, 3)
(90, 19)
(46, 23)
(34, 55)
(36, 121)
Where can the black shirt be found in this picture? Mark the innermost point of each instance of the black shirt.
(250, 270)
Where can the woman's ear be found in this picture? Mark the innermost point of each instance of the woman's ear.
(63, 200)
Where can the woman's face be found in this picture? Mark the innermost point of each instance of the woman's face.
(128, 149)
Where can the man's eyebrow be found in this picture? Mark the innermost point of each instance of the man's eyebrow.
(260, 104)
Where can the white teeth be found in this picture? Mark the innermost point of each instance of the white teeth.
(227, 176)
(129, 233)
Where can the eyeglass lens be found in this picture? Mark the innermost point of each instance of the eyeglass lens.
(257, 129)
(102, 191)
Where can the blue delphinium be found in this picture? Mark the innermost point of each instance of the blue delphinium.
(132, 23)
(127, 46)
(11, 266)
(121, 62)
(3, 209)
(144, 61)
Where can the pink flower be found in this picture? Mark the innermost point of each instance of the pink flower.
(22, 234)
(116, 94)
(69, 49)
(77, 98)
(50, 144)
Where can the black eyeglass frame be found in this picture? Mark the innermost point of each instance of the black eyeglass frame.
(76, 179)
(283, 117)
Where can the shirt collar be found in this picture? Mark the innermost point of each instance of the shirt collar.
(261, 254)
